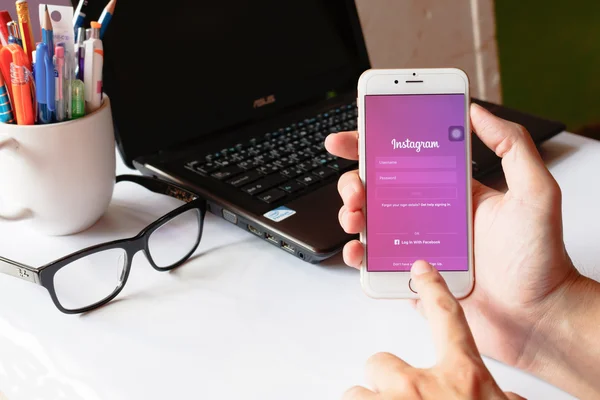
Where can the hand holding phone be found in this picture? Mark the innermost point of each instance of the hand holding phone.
(526, 282)
(415, 163)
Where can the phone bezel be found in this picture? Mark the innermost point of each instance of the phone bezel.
(430, 81)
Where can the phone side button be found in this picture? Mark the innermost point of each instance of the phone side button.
(410, 286)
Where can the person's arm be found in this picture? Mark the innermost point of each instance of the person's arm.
(565, 346)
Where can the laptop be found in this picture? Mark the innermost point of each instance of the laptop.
(234, 99)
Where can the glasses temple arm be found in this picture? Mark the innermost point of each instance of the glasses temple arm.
(19, 270)
(160, 187)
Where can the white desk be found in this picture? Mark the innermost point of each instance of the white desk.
(243, 320)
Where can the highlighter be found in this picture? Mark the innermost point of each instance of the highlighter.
(20, 79)
(92, 71)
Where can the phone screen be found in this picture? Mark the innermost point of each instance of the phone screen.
(416, 173)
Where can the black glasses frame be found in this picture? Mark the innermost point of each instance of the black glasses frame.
(44, 275)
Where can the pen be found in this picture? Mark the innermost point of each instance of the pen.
(88, 33)
(26, 28)
(6, 113)
(59, 79)
(47, 32)
(20, 82)
(106, 16)
(50, 83)
(14, 37)
(79, 17)
(5, 18)
(41, 53)
(80, 53)
(68, 78)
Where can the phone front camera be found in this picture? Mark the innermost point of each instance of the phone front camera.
(414, 74)
(396, 81)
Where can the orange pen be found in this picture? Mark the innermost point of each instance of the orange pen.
(20, 86)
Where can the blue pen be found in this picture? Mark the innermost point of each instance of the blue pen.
(106, 16)
(50, 86)
(48, 32)
(79, 17)
(41, 53)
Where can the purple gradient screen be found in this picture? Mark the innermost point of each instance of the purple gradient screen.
(416, 181)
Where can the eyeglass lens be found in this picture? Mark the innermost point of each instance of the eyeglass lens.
(175, 239)
(90, 279)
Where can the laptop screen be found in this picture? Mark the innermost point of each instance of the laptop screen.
(190, 68)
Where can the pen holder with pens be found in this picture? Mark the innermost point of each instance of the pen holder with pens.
(58, 177)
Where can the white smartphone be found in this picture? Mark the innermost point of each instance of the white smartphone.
(415, 164)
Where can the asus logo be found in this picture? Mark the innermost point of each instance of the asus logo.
(263, 101)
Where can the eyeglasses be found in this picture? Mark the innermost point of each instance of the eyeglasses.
(90, 278)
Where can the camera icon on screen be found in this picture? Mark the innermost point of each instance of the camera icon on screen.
(456, 133)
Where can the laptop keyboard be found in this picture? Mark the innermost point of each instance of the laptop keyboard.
(284, 163)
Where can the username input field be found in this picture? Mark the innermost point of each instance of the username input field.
(411, 178)
(416, 193)
(416, 162)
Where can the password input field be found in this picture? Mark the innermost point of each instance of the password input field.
(411, 178)
(416, 193)
(416, 162)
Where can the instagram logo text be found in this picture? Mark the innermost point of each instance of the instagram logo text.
(418, 145)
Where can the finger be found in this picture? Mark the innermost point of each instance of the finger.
(385, 371)
(343, 144)
(353, 254)
(359, 393)
(418, 305)
(352, 191)
(525, 172)
(351, 221)
(446, 318)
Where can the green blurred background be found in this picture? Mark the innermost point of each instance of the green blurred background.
(549, 53)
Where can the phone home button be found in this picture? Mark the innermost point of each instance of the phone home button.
(410, 286)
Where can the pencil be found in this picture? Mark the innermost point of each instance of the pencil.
(6, 113)
(26, 29)
(47, 32)
(106, 16)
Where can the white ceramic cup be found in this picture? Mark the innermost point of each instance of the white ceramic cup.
(60, 177)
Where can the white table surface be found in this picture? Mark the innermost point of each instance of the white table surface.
(243, 320)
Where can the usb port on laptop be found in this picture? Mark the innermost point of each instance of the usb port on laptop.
(271, 238)
(287, 247)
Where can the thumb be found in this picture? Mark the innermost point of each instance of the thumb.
(525, 172)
